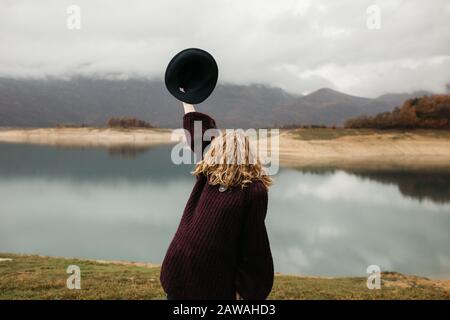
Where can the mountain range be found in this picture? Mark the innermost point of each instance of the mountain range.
(90, 101)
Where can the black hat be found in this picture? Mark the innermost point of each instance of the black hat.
(191, 75)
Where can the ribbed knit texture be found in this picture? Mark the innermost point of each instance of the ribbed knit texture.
(221, 244)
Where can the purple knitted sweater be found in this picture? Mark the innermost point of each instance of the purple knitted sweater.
(221, 244)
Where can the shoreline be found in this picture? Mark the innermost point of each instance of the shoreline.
(299, 148)
(86, 137)
(365, 149)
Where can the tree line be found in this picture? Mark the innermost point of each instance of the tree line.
(428, 112)
(127, 122)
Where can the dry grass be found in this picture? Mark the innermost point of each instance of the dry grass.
(330, 134)
(36, 277)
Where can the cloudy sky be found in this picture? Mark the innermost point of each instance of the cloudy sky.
(298, 45)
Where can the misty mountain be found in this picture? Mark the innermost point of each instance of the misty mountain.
(397, 99)
(44, 103)
(327, 106)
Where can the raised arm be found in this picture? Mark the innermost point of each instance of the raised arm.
(188, 107)
(196, 123)
(255, 272)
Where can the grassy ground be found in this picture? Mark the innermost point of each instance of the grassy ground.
(36, 277)
(330, 134)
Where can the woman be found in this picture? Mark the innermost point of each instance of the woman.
(221, 249)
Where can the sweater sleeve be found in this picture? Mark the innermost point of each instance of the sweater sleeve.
(255, 270)
(204, 122)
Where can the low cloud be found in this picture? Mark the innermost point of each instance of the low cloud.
(297, 45)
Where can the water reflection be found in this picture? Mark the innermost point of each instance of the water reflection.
(127, 151)
(336, 223)
(422, 185)
(417, 184)
(86, 203)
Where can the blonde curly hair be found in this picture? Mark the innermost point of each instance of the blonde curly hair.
(231, 161)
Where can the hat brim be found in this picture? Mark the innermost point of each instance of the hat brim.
(196, 71)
